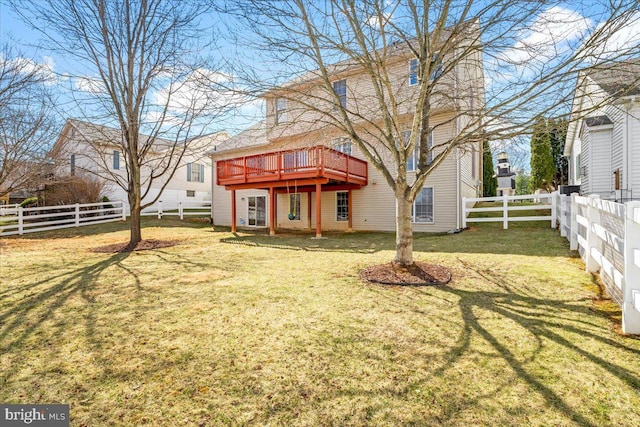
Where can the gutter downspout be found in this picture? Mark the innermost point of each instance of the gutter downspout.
(458, 225)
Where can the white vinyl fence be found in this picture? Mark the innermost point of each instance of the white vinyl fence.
(607, 236)
(542, 202)
(179, 209)
(19, 220)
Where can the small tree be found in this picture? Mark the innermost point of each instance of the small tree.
(523, 182)
(542, 165)
(489, 181)
(558, 135)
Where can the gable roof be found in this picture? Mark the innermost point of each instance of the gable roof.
(618, 79)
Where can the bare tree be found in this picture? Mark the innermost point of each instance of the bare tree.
(528, 53)
(25, 125)
(138, 71)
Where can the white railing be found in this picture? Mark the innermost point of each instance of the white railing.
(21, 220)
(179, 209)
(607, 236)
(505, 208)
(8, 209)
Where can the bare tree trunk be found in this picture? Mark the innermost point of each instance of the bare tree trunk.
(135, 203)
(404, 232)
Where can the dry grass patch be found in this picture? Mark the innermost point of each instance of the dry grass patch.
(249, 329)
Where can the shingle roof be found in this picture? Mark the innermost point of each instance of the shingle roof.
(254, 136)
(597, 121)
(618, 79)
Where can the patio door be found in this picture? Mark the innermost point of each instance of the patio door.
(257, 214)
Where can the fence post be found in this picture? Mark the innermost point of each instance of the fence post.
(124, 212)
(77, 214)
(563, 215)
(631, 283)
(505, 212)
(464, 212)
(573, 230)
(554, 208)
(593, 217)
(180, 212)
(159, 209)
(20, 220)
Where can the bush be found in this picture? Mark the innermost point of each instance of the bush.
(29, 202)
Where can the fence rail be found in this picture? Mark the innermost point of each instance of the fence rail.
(607, 237)
(19, 220)
(505, 208)
(179, 209)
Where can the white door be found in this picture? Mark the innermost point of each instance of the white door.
(257, 211)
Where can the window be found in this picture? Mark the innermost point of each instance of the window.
(413, 72)
(281, 110)
(412, 162)
(342, 145)
(191, 193)
(578, 166)
(116, 160)
(436, 70)
(73, 164)
(422, 211)
(195, 172)
(294, 207)
(340, 88)
(342, 206)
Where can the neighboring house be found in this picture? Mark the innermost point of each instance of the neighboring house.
(294, 170)
(87, 149)
(603, 137)
(506, 180)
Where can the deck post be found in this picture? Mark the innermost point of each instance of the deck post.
(233, 211)
(318, 209)
(350, 207)
(272, 211)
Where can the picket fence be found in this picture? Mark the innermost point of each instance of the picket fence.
(505, 208)
(17, 220)
(607, 236)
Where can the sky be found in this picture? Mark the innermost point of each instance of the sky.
(557, 28)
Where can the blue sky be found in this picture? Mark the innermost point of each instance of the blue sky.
(572, 20)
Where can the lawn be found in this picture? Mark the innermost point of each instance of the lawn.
(248, 329)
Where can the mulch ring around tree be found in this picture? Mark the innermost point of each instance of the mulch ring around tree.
(144, 245)
(418, 274)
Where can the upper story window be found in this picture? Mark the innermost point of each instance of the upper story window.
(413, 72)
(412, 161)
(414, 76)
(281, 110)
(342, 145)
(340, 88)
(116, 160)
(436, 71)
(195, 172)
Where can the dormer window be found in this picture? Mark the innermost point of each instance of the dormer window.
(340, 88)
(281, 110)
(413, 72)
(436, 71)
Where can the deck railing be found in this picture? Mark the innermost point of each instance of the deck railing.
(317, 161)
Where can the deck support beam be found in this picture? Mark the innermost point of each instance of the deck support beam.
(318, 209)
(233, 211)
(272, 211)
(309, 210)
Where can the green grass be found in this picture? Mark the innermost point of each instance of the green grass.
(249, 329)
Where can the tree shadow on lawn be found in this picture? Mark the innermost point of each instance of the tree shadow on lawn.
(528, 241)
(548, 322)
(23, 318)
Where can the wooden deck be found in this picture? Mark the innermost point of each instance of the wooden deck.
(277, 168)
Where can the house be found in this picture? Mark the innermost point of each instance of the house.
(296, 170)
(506, 180)
(603, 137)
(90, 150)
